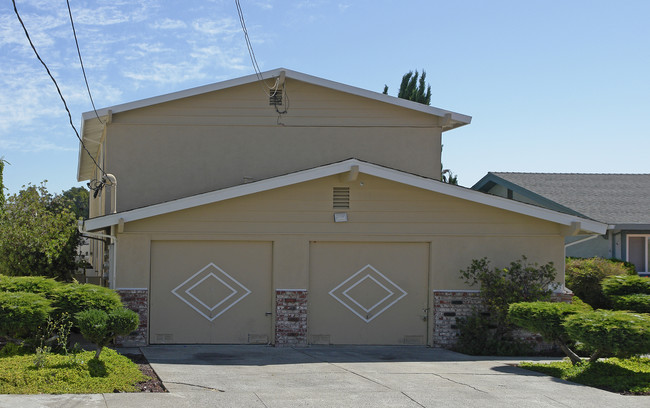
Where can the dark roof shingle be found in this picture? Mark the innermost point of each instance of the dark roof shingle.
(610, 198)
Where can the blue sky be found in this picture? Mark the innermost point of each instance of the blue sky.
(552, 86)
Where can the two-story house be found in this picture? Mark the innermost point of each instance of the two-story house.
(295, 210)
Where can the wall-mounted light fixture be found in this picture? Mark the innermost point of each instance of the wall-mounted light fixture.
(341, 217)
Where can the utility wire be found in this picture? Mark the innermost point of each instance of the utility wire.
(74, 32)
(251, 53)
(57, 88)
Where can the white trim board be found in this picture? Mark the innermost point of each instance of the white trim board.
(338, 168)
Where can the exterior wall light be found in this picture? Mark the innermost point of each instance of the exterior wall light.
(341, 217)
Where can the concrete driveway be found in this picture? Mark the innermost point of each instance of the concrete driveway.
(259, 376)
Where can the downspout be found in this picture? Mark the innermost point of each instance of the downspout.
(113, 183)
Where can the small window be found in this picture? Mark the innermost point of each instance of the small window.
(341, 197)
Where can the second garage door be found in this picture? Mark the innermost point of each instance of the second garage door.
(368, 293)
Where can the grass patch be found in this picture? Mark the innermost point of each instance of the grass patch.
(59, 374)
(626, 376)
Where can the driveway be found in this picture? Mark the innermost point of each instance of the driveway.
(259, 376)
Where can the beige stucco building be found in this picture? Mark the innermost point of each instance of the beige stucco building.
(293, 211)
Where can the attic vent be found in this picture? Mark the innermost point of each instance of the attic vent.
(341, 197)
(275, 98)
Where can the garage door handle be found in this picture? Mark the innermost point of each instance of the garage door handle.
(268, 314)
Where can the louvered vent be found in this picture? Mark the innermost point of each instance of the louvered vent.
(275, 98)
(341, 197)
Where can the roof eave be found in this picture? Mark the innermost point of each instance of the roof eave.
(585, 225)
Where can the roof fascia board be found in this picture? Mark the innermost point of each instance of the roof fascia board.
(482, 184)
(458, 117)
(337, 168)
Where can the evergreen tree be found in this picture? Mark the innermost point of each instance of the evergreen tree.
(414, 88)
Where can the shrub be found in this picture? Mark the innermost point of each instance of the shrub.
(21, 313)
(620, 333)
(625, 285)
(637, 302)
(520, 282)
(31, 284)
(478, 337)
(100, 327)
(74, 298)
(546, 318)
(584, 277)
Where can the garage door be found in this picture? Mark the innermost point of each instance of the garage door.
(368, 293)
(211, 292)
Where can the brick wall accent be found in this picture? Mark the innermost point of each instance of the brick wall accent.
(447, 307)
(138, 301)
(291, 317)
(451, 305)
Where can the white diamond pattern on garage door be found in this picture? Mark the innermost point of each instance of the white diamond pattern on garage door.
(367, 293)
(211, 291)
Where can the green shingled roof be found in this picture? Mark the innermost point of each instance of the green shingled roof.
(610, 198)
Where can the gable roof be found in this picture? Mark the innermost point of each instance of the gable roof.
(92, 129)
(589, 226)
(619, 199)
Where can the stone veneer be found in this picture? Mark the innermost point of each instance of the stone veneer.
(291, 317)
(138, 301)
(448, 306)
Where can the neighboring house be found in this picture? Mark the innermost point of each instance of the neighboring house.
(311, 213)
(620, 200)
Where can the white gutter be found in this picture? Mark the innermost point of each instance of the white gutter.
(580, 241)
(82, 230)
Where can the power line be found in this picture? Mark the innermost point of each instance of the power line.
(251, 53)
(57, 88)
(74, 32)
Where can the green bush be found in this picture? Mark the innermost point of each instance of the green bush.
(637, 302)
(21, 313)
(100, 327)
(31, 284)
(626, 285)
(123, 321)
(477, 336)
(584, 277)
(613, 332)
(500, 287)
(546, 318)
(74, 298)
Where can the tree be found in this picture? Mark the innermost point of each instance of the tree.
(76, 198)
(414, 88)
(38, 235)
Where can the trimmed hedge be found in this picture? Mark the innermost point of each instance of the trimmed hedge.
(584, 277)
(545, 318)
(31, 284)
(626, 285)
(21, 313)
(637, 302)
(100, 327)
(74, 298)
(613, 332)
